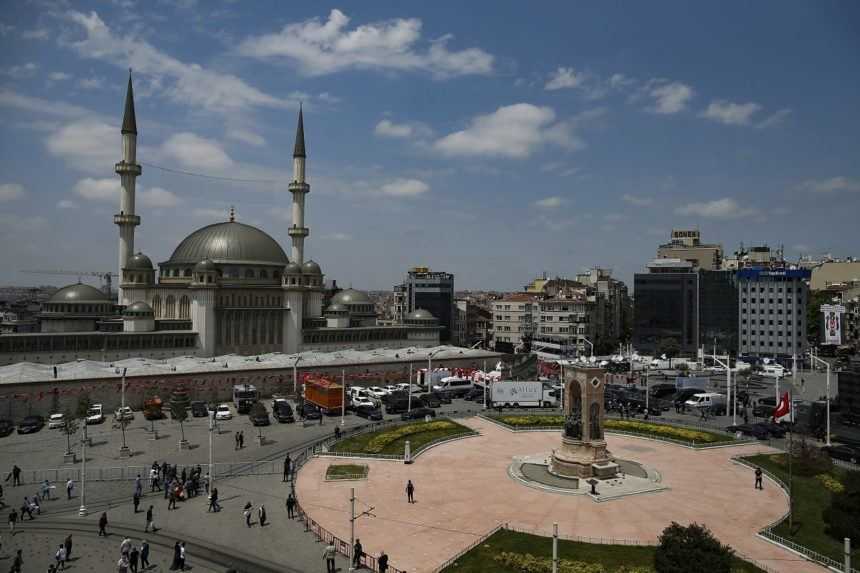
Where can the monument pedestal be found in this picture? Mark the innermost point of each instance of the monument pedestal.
(582, 459)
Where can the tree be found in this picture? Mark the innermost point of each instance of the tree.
(843, 515)
(691, 549)
(178, 408)
(83, 405)
(808, 459)
(668, 346)
(814, 320)
(70, 427)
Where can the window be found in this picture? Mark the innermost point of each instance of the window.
(264, 274)
(249, 274)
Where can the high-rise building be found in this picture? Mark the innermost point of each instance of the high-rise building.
(473, 323)
(772, 311)
(613, 306)
(514, 318)
(666, 307)
(686, 245)
(431, 291)
(566, 325)
(718, 311)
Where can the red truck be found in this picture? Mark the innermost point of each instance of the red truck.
(325, 394)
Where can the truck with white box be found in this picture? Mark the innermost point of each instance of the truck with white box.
(522, 394)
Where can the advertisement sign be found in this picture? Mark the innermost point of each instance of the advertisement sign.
(517, 391)
(832, 323)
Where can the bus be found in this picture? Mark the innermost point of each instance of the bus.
(244, 396)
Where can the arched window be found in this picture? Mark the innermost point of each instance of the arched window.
(187, 273)
(264, 274)
(170, 307)
(249, 273)
(156, 306)
(276, 274)
(184, 307)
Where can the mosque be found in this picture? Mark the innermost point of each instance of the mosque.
(228, 288)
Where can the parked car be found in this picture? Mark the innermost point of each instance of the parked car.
(223, 412)
(369, 412)
(283, 412)
(309, 411)
(662, 390)
(56, 421)
(6, 427)
(775, 430)
(418, 414)
(199, 409)
(377, 392)
(95, 414)
(443, 397)
(123, 413)
(259, 415)
(31, 424)
(391, 388)
(845, 453)
(753, 430)
(430, 400)
(475, 394)
(400, 405)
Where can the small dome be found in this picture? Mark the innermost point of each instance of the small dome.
(311, 268)
(351, 296)
(293, 269)
(79, 293)
(420, 314)
(138, 308)
(139, 262)
(335, 307)
(204, 266)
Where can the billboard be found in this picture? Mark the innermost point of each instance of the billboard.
(832, 323)
(509, 391)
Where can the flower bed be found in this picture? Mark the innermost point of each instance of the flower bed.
(392, 440)
(345, 471)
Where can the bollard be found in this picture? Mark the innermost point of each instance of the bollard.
(555, 548)
(407, 453)
(847, 555)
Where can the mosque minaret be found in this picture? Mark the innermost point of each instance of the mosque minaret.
(128, 170)
(299, 188)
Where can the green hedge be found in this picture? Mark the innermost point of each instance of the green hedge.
(392, 440)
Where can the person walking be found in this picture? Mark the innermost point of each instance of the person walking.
(60, 556)
(149, 520)
(144, 554)
(132, 559)
(182, 556)
(410, 491)
(174, 565)
(287, 463)
(241, 439)
(382, 562)
(291, 506)
(213, 500)
(25, 508)
(261, 515)
(16, 476)
(136, 501)
(247, 514)
(328, 555)
(357, 553)
(122, 565)
(138, 486)
(125, 547)
(758, 474)
(103, 525)
(13, 519)
(236, 441)
(68, 545)
(17, 563)
(171, 504)
(153, 480)
(70, 485)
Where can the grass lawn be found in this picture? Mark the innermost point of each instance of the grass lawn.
(611, 557)
(345, 471)
(810, 498)
(393, 440)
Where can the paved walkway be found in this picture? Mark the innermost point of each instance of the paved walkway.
(463, 491)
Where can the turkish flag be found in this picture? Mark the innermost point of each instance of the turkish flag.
(783, 409)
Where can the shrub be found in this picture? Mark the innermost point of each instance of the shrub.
(691, 549)
(663, 430)
(830, 483)
(843, 515)
(809, 460)
(380, 441)
(528, 563)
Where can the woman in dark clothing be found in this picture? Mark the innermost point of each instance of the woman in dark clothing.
(175, 564)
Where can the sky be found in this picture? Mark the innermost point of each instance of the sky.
(495, 140)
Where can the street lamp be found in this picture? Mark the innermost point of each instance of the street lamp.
(409, 401)
(211, 465)
(484, 372)
(584, 339)
(732, 399)
(827, 365)
(430, 366)
(296, 376)
(83, 509)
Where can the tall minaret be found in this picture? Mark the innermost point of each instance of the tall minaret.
(299, 189)
(128, 170)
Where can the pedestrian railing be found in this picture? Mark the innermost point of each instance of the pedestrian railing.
(468, 548)
(577, 538)
(847, 465)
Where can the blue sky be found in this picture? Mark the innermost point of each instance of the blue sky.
(494, 140)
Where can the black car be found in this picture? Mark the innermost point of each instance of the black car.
(6, 427)
(775, 430)
(283, 412)
(662, 390)
(369, 412)
(417, 414)
(31, 424)
(430, 401)
(400, 405)
(199, 409)
(846, 453)
(309, 411)
(259, 415)
(443, 397)
(753, 430)
(475, 394)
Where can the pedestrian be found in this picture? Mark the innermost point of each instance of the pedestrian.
(132, 559)
(382, 562)
(182, 556)
(17, 563)
(174, 565)
(241, 439)
(328, 555)
(136, 501)
(122, 565)
(125, 547)
(247, 514)
(287, 463)
(149, 520)
(337, 432)
(16, 475)
(70, 485)
(357, 554)
(26, 509)
(167, 486)
(410, 491)
(261, 514)
(171, 504)
(153, 480)
(103, 525)
(60, 556)
(206, 481)
(291, 506)
(213, 500)
(34, 504)
(144, 554)
(46, 490)
(13, 519)
(68, 545)
(758, 473)
(236, 440)
(138, 486)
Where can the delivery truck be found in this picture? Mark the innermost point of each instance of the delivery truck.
(522, 394)
(326, 394)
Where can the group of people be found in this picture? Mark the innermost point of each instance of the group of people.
(132, 556)
(178, 485)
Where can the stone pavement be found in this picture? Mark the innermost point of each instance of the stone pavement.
(463, 491)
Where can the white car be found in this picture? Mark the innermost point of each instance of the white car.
(358, 402)
(95, 414)
(124, 413)
(391, 389)
(377, 392)
(223, 412)
(56, 421)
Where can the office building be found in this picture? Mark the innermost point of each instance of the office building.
(514, 321)
(431, 291)
(666, 308)
(686, 245)
(772, 311)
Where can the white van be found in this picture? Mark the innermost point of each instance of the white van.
(773, 371)
(454, 386)
(714, 402)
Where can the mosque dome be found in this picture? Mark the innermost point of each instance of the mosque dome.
(139, 262)
(204, 266)
(311, 268)
(78, 293)
(335, 307)
(351, 296)
(420, 314)
(229, 242)
(138, 308)
(293, 269)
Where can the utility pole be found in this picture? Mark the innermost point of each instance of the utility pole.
(813, 360)
(409, 403)
(353, 517)
(343, 396)
(83, 509)
(211, 465)
(485, 384)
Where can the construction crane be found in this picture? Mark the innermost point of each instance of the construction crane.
(107, 278)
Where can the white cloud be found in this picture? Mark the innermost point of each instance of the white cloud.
(321, 48)
(11, 191)
(86, 144)
(337, 237)
(549, 202)
(58, 76)
(209, 213)
(511, 131)
(830, 185)
(107, 189)
(669, 97)
(195, 152)
(725, 208)
(22, 70)
(404, 188)
(774, 119)
(407, 130)
(639, 201)
(37, 34)
(157, 197)
(187, 83)
(246, 136)
(563, 78)
(731, 113)
(91, 83)
(42, 106)
(619, 81)
(66, 204)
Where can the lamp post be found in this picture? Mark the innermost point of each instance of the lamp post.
(342, 396)
(430, 366)
(732, 398)
(296, 376)
(83, 509)
(591, 346)
(814, 358)
(484, 371)
(211, 464)
(409, 402)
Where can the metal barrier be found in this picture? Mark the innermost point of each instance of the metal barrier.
(577, 538)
